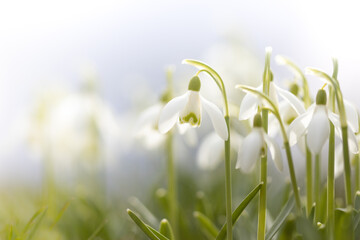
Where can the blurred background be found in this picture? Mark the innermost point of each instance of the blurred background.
(75, 76)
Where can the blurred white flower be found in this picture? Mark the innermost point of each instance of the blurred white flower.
(212, 148)
(339, 158)
(83, 127)
(314, 123)
(187, 109)
(253, 146)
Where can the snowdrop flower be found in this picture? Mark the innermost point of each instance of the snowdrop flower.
(211, 150)
(187, 109)
(315, 124)
(253, 146)
(250, 103)
(146, 128)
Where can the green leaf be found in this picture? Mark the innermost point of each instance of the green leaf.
(344, 223)
(280, 219)
(142, 225)
(144, 211)
(58, 217)
(166, 229)
(32, 220)
(157, 234)
(236, 214)
(37, 224)
(206, 224)
(98, 229)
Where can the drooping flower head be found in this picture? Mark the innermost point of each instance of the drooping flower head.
(314, 123)
(254, 145)
(187, 109)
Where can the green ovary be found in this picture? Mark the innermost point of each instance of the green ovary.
(190, 118)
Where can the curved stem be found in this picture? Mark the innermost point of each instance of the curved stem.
(220, 83)
(307, 99)
(292, 175)
(275, 111)
(344, 127)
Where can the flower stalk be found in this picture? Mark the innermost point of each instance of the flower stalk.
(263, 167)
(219, 82)
(276, 113)
(331, 164)
(344, 127)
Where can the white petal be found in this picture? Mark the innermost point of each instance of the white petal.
(353, 142)
(291, 99)
(334, 118)
(273, 126)
(250, 150)
(351, 115)
(210, 152)
(147, 119)
(216, 117)
(318, 130)
(170, 113)
(248, 107)
(274, 151)
(298, 127)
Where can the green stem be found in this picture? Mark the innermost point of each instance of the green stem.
(317, 188)
(172, 192)
(331, 185)
(331, 165)
(228, 182)
(292, 175)
(346, 165)
(262, 203)
(263, 170)
(309, 183)
(263, 193)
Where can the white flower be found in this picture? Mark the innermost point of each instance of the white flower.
(314, 123)
(187, 109)
(146, 128)
(253, 146)
(212, 148)
(250, 103)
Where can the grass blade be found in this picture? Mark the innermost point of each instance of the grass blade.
(236, 214)
(142, 225)
(166, 229)
(280, 219)
(98, 229)
(206, 224)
